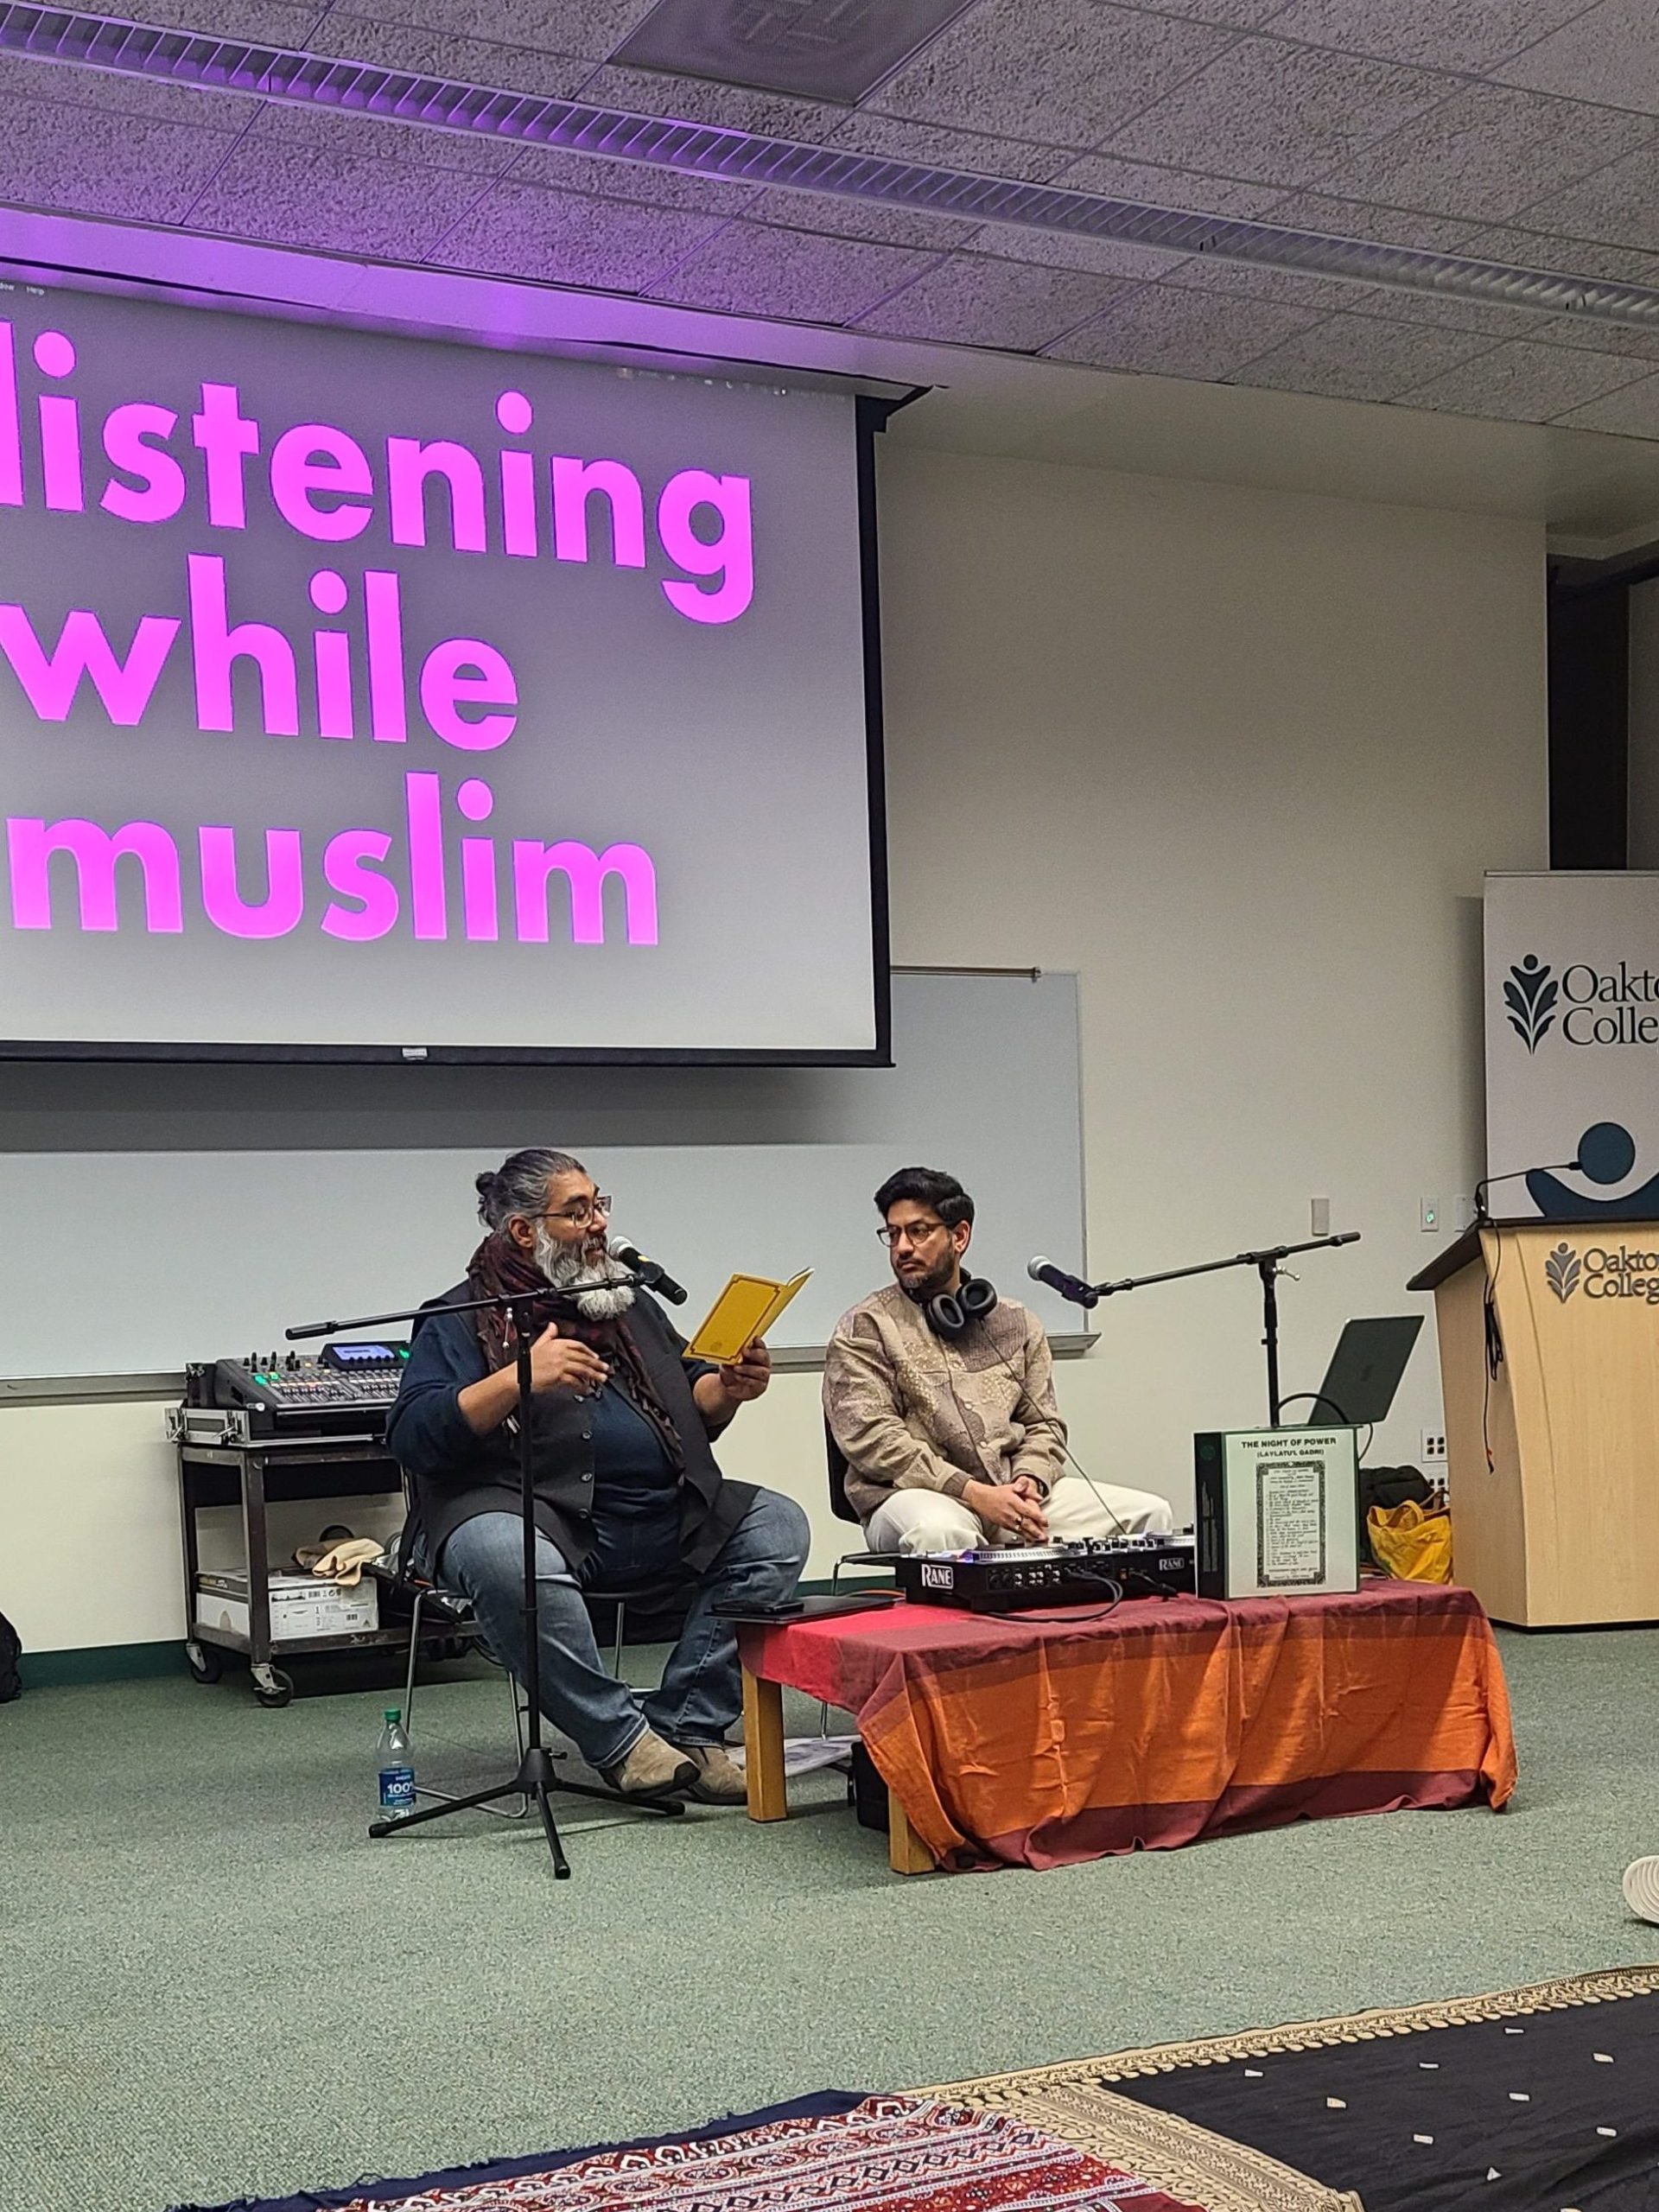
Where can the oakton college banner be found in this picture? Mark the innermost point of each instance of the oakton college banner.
(1572, 1044)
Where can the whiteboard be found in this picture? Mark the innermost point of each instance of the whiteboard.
(156, 1215)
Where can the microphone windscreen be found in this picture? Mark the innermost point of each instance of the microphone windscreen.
(1034, 1268)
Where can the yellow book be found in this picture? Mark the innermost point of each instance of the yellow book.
(746, 1309)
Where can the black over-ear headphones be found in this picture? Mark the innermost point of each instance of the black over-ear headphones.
(950, 1314)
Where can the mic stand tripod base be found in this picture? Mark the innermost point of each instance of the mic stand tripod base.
(535, 1779)
(533, 1782)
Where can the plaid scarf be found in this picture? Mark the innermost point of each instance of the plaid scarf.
(500, 1269)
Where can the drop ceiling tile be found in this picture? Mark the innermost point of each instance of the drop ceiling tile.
(1619, 206)
(754, 269)
(1279, 114)
(1160, 187)
(1359, 218)
(1203, 272)
(1236, 14)
(838, 215)
(96, 162)
(290, 193)
(1164, 331)
(1353, 356)
(1632, 413)
(1611, 53)
(354, 136)
(1470, 35)
(272, 22)
(1596, 335)
(976, 151)
(727, 107)
(1525, 382)
(657, 187)
(592, 28)
(1568, 257)
(1068, 75)
(968, 301)
(565, 238)
(1069, 250)
(1487, 152)
(470, 61)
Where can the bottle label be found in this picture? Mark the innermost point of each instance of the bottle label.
(396, 1789)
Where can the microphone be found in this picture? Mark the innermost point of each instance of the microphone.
(1043, 1270)
(651, 1273)
(1514, 1174)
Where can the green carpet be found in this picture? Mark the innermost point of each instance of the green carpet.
(212, 1983)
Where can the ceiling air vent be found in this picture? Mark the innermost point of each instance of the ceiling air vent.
(819, 49)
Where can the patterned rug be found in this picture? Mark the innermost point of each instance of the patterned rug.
(831, 2153)
(1538, 2100)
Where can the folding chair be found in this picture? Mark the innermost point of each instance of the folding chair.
(841, 1506)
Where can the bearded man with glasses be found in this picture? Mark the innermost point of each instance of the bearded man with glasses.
(628, 1494)
(953, 1439)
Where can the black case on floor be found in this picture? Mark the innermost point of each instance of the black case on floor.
(866, 1791)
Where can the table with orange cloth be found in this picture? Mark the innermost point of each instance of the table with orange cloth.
(1011, 1740)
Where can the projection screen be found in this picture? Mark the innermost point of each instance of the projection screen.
(365, 695)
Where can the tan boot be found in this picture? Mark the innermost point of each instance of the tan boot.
(720, 1780)
(651, 1768)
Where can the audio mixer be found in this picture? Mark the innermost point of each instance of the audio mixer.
(346, 1390)
(1013, 1578)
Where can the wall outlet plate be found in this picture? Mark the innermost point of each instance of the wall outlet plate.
(1433, 1447)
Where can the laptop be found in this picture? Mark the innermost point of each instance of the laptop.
(1364, 1371)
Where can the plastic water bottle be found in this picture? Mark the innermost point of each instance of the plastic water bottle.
(397, 1764)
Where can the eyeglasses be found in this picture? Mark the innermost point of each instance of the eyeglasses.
(917, 1233)
(581, 1212)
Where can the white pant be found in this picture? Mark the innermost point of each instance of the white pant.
(929, 1520)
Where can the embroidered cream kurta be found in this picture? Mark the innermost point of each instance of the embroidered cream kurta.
(913, 1411)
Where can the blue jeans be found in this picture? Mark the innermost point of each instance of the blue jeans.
(701, 1693)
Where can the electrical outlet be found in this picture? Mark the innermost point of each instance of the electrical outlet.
(1433, 1452)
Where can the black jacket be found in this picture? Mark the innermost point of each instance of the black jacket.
(458, 1475)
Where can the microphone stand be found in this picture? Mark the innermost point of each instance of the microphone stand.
(1267, 1266)
(534, 1778)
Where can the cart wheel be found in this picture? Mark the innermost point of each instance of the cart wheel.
(280, 1691)
(204, 1661)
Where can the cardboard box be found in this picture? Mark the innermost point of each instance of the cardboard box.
(301, 1606)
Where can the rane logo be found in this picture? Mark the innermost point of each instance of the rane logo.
(936, 1577)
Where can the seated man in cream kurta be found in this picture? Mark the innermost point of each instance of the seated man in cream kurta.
(954, 1439)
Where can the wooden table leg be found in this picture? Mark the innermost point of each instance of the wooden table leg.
(763, 1749)
(907, 1852)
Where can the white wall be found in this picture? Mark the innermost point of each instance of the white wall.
(1240, 759)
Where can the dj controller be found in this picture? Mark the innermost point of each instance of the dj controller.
(1014, 1578)
(345, 1389)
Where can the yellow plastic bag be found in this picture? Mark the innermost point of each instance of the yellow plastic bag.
(1414, 1545)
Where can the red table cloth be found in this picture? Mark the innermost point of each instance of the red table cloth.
(1039, 1743)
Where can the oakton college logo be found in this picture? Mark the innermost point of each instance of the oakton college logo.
(1562, 1270)
(1530, 994)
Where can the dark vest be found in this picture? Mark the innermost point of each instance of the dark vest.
(562, 1438)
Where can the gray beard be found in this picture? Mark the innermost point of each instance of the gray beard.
(608, 1287)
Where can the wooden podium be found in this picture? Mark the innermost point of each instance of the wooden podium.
(1560, 1526)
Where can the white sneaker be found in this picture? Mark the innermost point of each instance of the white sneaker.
(1642, 1888)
